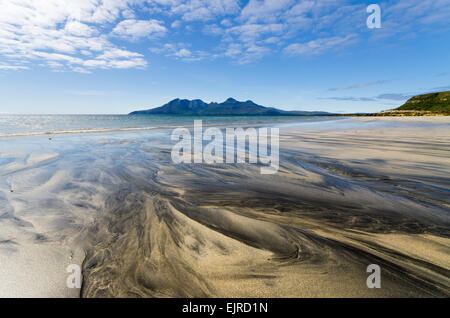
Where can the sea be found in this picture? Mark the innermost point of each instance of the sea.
(27, 125)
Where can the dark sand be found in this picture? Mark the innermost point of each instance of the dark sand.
(342, 199)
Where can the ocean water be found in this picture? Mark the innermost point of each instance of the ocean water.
(23, 125)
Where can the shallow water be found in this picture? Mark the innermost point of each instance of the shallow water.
(23, 125)
(143, 226)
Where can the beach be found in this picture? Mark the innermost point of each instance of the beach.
(349, 192)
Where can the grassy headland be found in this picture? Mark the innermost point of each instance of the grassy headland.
(433, 104)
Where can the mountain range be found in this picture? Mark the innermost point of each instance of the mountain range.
(230, 107)
(434, 103)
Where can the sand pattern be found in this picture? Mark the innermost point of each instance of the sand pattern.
(141, 226)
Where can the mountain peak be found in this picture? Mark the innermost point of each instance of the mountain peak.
(230, 107)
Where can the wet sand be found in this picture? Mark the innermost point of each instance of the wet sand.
(360, 192)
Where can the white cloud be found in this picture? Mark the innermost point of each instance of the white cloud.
(176, 24)
(81, 70)
(203, 10)
(86, 52)
(117, 58)
(13, 67)
(226, 23)
(319, 45)
(133, 63)
(272, 39)
(135, 29)
(183, 53)
(213, 29)
(179, 51)
(249, 33)
(265, 10)
(83, 35)
(64, 33)
(408, 17)
(253, 53)
(79, 29)
(116, 53)
(234, 50)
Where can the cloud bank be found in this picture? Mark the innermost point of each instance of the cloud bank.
(85, 35)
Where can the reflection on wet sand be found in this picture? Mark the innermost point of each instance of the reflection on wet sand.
(341, 200)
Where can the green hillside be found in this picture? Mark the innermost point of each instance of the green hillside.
(435, 102)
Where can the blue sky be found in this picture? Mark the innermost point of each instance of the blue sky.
(115, 56)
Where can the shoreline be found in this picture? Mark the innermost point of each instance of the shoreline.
(345, 196)
(331, 117)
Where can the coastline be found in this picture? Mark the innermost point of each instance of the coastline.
(345, 196)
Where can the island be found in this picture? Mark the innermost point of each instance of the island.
(431, 104)
(230, 107)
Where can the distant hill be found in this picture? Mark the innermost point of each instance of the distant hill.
(434, 102)
(230, 107)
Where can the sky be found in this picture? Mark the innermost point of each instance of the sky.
(116, 56)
